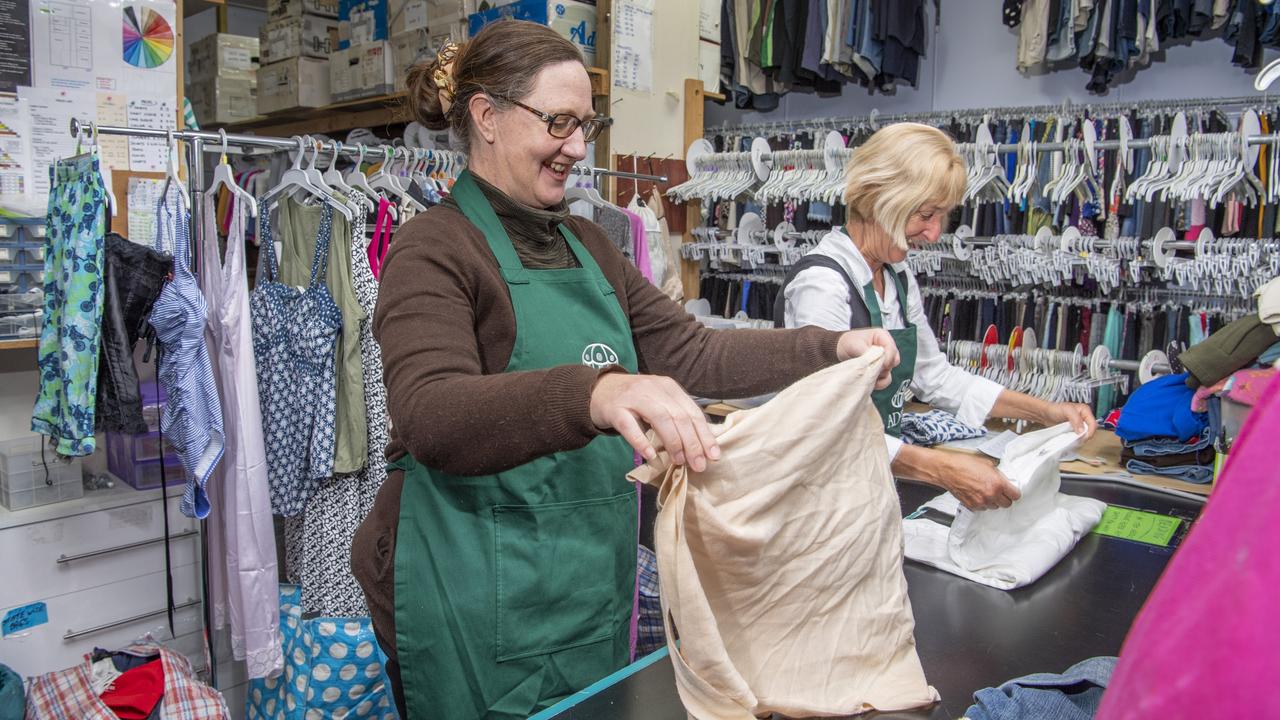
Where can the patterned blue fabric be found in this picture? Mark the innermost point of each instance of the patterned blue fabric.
(333, 669)
(936, 427)
(72, 330)
(295, 334)
(650, 635)
(192, 419)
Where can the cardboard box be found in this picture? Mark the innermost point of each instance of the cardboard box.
(281, 9)
(361, 71)
(222, 100)
(406, 15)
(363, 21)
(306, 36)
(294, 83)
(574, 20)
(407, 49)
(223, 55)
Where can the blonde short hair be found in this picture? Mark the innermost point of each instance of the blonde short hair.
(898, 170)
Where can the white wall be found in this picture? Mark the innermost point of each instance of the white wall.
(970, 64)
(653, 123)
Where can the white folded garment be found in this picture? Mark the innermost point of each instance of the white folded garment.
(1014, 546)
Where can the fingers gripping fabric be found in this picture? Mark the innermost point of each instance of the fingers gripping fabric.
(781, 564)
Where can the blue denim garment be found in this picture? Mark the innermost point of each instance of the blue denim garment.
(1199, 474)
(1270, 355)
(1152, 447)
(1073, 695)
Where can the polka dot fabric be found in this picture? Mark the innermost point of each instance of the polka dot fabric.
(333, 669)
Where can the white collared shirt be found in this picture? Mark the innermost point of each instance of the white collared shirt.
(819, 296)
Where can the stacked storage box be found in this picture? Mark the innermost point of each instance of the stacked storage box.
(295, 45)
(137, 459)
(222, 74)
(22, 244)
(29, 477)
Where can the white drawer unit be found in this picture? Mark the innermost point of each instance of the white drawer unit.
(98, 566)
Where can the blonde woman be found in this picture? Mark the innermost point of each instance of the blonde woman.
(900, 186)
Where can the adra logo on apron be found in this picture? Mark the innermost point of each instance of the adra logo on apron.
(899, 399)
(599, 356)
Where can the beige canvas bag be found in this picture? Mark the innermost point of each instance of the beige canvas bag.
(781, 565)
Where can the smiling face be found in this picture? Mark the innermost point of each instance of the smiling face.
(511, 147)
(924, 227)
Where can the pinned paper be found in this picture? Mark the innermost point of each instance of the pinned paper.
(1137, 525)
(21, 619)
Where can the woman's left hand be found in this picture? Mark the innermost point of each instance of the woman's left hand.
(1080, 417)
(854, 343)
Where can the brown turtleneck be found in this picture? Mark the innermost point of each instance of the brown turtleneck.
(533, 230)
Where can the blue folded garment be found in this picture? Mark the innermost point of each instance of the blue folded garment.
(1161, 408)
(1151, 447)
(1073, 695)
(1199, 474)
(936, 427)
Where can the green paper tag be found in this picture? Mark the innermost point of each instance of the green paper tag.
(1144, 527)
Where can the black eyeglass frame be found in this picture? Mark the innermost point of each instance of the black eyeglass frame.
(591, 129)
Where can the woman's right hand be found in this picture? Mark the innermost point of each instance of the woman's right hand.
(977, 483)
(632, 404)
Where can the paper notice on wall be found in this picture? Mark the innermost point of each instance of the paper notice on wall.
(113, 109)
(633, 45)
(148, 154)
(709, 65)
(51, 111)
(144, 194)
(123, 46)
(15, 147)
(709, 20)
(15, 44)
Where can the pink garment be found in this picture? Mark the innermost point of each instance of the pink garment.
(640, 244)
(1204, 642)
(243, 577)
(1200, 401)
(1246, 386)
(1196, 222)
(381, 239)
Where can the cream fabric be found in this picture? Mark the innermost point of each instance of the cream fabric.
(1011, 547)
(781, 564)
(1269, 304)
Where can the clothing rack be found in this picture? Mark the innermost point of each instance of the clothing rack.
(875, 118)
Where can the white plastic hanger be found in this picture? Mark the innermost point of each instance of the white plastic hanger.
(104, 170)
(222, 176)
(171, 172)
(295, 179)
(357, 180)
(589, 193)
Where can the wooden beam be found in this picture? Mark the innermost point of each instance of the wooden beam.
(694, 96)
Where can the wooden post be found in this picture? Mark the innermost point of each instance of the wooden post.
(694, 95)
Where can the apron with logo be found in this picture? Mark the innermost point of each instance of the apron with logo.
(515, 590)
(890, 400)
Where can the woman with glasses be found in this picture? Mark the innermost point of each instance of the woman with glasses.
(525, 358)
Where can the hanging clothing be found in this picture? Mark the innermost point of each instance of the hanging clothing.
(192, 419)
(243, 575)
(301, 226)
(132, 278)
(295, 332)
(1011, 547)
(70, 335)
(800, 505)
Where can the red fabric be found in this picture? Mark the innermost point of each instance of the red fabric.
(135, 693)
(1204, 643)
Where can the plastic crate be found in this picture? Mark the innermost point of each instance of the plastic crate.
(135, 459)
(21, 315)
(27, 480)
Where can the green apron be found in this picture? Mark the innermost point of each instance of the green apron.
(515, 590)
(890, 400)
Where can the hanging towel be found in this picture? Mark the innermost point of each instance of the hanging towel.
(1012, 547)
(781, 564)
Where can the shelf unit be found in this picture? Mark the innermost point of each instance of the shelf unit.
(25, 344)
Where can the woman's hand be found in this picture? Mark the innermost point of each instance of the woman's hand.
(977, 483)
(854, 343)
(629, 404)
(1080, 417)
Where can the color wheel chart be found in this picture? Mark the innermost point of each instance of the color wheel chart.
(148, 39)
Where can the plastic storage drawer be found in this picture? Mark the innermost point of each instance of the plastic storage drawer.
(27, 480)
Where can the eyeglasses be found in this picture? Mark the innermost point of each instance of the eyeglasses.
(562, 125)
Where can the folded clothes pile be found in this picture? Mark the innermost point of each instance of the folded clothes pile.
(1164, 435)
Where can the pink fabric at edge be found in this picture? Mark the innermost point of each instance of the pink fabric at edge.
(640, 245)
(1204, 643)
